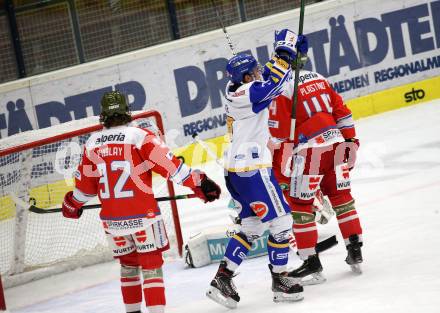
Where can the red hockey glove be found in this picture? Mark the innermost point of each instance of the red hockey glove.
(351, 147)
(203, 187)
(71, 207)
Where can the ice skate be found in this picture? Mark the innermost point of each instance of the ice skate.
(354, 256)
(310, 272)
(222, 289)
(285, 289)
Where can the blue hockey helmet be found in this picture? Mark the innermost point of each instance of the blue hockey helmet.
(285, 40)
(287, 44)
(239, 65)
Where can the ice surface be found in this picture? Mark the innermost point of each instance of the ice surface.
(396, 185)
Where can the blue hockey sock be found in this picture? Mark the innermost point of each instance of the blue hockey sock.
(237, 250)
(278, 254)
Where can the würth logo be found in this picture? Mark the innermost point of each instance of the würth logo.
(414, 95)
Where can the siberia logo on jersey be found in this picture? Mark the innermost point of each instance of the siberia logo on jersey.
(303, 78)
(260, 209)
(111, 137)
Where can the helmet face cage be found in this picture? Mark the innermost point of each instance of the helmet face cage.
(240, 65)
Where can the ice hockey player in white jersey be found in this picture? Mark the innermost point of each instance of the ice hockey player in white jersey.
(250, 180)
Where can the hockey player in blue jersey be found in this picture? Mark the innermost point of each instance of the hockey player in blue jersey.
(249, 177)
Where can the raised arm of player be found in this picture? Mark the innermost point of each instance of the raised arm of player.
(163, 162)
(263, 92)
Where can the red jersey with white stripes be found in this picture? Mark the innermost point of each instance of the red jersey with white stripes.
(322, 118)
(117, 165)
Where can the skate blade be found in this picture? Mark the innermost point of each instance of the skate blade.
(287, 297)
(313, 279)
(356, 268)
(215, 295)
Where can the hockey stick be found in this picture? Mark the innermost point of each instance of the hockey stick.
(326, 244)
(208, 150)
(295, 88)
(33, 208)
(219, 18)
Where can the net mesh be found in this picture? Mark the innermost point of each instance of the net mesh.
(40, 176)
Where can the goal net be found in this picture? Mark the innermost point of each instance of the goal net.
(36, 171)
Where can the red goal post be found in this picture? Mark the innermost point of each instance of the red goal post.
(29, 174)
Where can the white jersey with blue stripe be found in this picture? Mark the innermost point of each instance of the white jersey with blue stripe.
(247, 111)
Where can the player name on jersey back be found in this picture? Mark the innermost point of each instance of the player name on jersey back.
(110, 151)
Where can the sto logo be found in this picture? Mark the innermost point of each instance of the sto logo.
(260, 209)
(119, 241)
(141, 236)
(314, 182)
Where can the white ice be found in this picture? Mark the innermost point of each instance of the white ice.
(397, 188)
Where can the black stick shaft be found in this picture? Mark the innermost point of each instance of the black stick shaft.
(295, 88)
(36, 209)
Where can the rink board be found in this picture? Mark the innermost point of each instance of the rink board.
(376, 103)
(362, 47)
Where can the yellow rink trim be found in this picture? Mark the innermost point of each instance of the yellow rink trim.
(394, 98)
(52, 194)
(49, 195)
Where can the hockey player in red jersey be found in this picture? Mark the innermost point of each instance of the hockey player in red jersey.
(323, 152)
(117, 165)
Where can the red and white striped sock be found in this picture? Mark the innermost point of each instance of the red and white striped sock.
(131, 288)
(154, 290)
(306, 237)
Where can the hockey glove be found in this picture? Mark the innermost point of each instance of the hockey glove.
(71, 208)
(302, 44)
(275, 69)
(202, 186)
(351, 147)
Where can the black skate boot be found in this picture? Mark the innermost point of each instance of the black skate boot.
(222, 289)
(310, 272)
(285, 289)
(354, 256)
